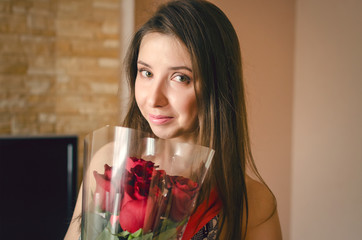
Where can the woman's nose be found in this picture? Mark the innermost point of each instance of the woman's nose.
(157, 94)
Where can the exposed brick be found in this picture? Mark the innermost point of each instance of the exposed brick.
(10, 44)
(111, 44)
(86, 66)
(86, 48)
(103, 14)
(38, 86)
(12, 103)
(109, 62)
(77, 29)
(109, 5)
(21, 6)
(12, 84)
(46, 128)
(59, 66)
(14, 23)
(47, 118)
(44, 7)
(40, 103)
(5, 128)
(104, 88)
(5, 6)
(37, 45)
(110, 27)
(13, 64)
(24, 123)
(41, 24)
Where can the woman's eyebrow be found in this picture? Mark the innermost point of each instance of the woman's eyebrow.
(181, 67)
(143, 63)
(172, 68)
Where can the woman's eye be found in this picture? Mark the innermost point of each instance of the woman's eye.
(146, 73)
(182, 78)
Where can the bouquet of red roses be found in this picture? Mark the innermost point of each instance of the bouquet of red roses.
(126, 196)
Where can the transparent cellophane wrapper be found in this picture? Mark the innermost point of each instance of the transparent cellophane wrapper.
(165, 213)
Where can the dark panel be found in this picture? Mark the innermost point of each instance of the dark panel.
(37, 186)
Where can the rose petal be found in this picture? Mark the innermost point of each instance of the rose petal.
(132, 215)
(102, 182)
(183, 192)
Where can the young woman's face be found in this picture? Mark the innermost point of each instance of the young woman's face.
(164, 87)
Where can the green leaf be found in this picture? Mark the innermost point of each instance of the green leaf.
(168, 234)
(136, 234)
(95, 223)
(123, 234)
(144, 237)
(106, 235)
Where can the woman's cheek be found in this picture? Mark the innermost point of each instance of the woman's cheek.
(139, 95)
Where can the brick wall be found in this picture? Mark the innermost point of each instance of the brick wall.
(59, 66)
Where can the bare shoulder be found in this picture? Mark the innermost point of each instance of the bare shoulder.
(263, 220)
(73, 231)
(261, 201)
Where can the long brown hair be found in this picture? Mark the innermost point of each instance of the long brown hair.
(215, 53)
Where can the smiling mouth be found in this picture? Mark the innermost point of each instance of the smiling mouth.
(159, 119)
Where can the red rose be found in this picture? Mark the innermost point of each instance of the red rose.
(183, 193)
(134, 203)
(133, 162)
(143, 187)
(132, 214)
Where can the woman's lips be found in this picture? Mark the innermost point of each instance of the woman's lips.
(159, 119)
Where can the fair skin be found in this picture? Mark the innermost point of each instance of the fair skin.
(166, 97)
(263, 221)
(164, 87)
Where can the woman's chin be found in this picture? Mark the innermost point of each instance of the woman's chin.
(189, 138)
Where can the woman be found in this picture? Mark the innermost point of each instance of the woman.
(185, 76)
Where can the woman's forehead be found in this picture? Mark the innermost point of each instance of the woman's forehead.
(164, 47)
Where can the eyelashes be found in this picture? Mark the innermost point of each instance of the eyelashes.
(177, 77)
(145, 73)
(182, 78)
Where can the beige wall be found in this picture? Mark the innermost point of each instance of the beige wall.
(266, 34)
(327, 125)
(305, 112)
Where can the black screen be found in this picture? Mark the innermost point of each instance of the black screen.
(38, 184)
